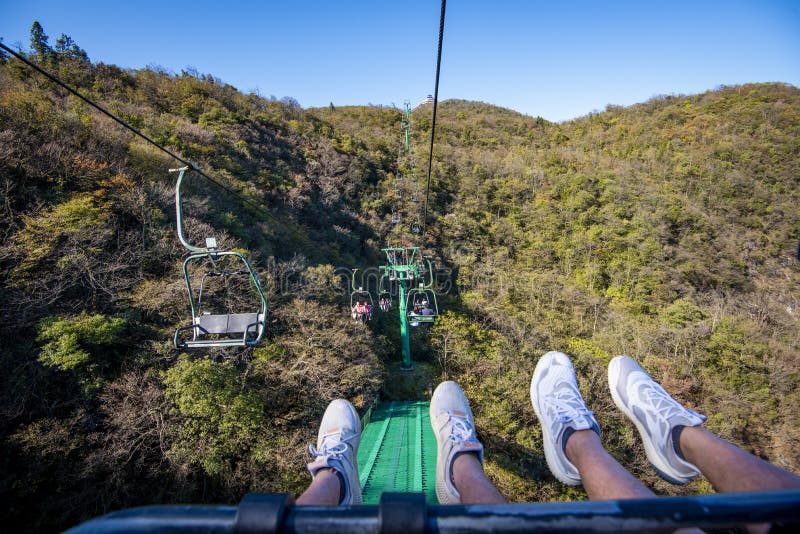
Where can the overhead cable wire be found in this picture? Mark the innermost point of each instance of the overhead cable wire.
(99, 108)
(433, 123)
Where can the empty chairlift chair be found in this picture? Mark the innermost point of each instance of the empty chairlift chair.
(230, 308)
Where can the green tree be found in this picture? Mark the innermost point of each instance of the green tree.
(682, 312)
(66, 47)
(41, 49)
(220, 420)
(68, 341)
(74, 344)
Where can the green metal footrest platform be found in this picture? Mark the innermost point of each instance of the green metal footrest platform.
(398, 451)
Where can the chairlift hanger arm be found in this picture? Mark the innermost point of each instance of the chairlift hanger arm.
(353, 281)
(210, 242)
(429, 285)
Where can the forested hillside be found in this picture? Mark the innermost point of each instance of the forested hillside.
(667, 231)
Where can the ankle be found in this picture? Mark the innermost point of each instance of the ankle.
(467, 471)
(333, 476)
(579, 442)
(466, 460)
(676, 440)
(686, 440)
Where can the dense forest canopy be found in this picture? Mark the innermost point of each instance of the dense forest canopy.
(667, 231)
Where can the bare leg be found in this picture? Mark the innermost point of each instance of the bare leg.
(603, 477)
(323, 491)
(728, 467)
(471, 481)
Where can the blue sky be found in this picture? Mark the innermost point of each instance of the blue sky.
(555, 59)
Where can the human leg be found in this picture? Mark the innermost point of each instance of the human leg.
(676, 444)
(324, 490)
(679, 448)
(334, 470)
(602, 476)
(459, 464)
(571, 434)
(471, 481)
(728, 467)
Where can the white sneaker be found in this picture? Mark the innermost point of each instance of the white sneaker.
(454, 426)
(337, 446)
(655, 414)
(560, 408)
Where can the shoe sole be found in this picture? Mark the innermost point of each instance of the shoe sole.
(442, 494)
(549, 450)
(441, 489)
(357, 497)
(649, 447)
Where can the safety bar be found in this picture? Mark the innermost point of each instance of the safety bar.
(407, 513)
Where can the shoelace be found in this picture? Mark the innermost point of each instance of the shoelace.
(461, 429)
(331, 448)
(568, 404)
(665, 406)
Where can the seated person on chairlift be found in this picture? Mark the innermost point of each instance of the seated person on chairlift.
(360, 311)
(368, 311)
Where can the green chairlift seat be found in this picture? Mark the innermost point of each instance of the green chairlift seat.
(228, 329)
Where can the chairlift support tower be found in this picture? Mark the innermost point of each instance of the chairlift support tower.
(410, 276)
(405, 124)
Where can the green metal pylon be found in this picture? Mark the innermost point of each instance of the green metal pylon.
(405, 124)
(410, 276)
(400, 267)
(404, 341)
